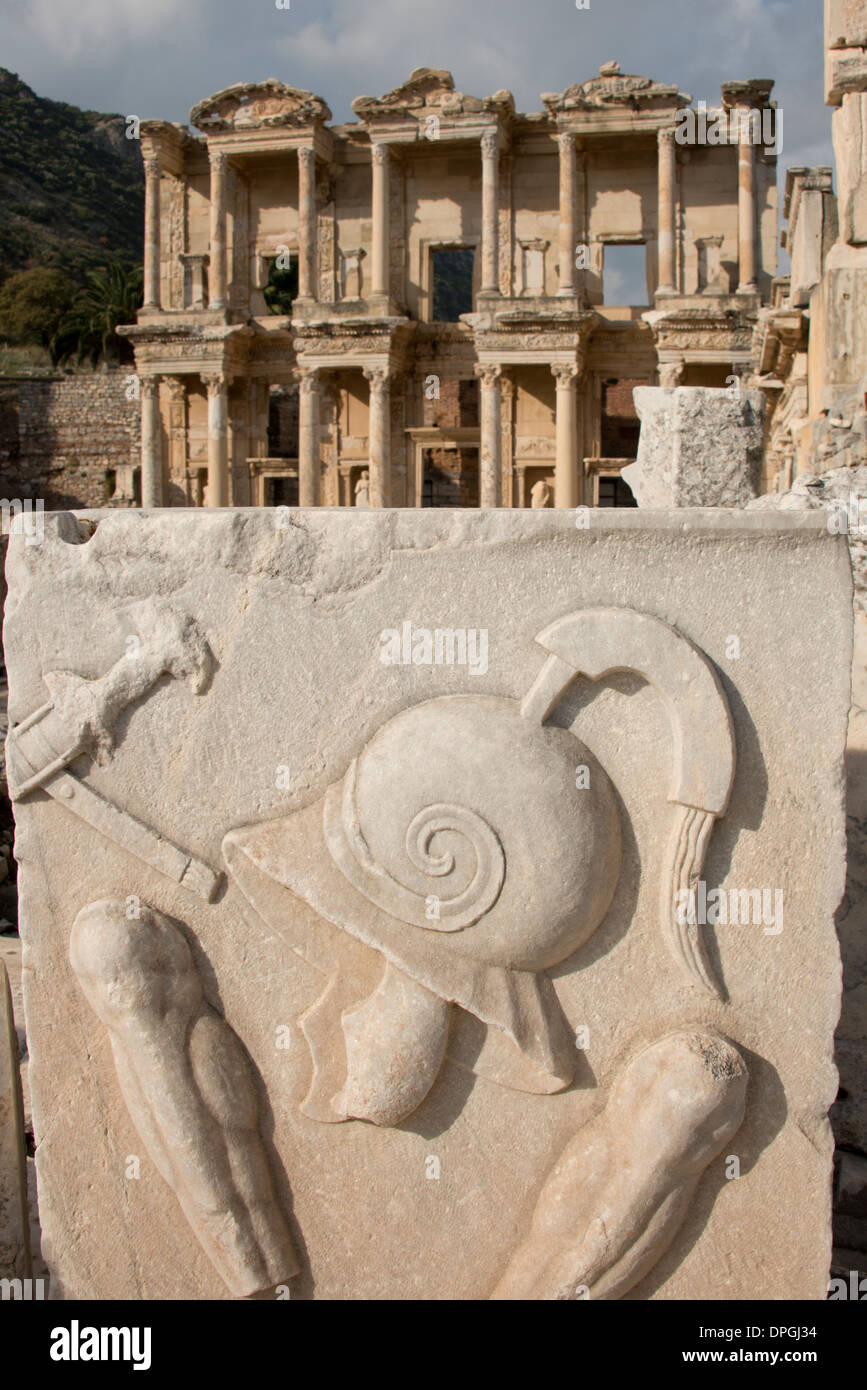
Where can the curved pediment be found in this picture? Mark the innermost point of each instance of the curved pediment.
(259, 105)
(426, 90)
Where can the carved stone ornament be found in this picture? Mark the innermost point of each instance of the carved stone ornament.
(259, 105)
(410, 905)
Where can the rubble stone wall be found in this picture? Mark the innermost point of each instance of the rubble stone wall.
(63, 437)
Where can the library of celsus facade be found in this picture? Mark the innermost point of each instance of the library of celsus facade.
(421, 307)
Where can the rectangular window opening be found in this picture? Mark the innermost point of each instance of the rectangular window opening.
(624, 275)
(452, 282)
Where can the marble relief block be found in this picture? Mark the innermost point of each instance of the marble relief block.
(431, 904)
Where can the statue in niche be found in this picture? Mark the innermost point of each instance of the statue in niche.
(362, 490)
(540, 494)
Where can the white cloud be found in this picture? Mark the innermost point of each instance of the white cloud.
(73, 29)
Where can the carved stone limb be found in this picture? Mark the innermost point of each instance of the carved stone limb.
(616, 1198)
(187, 1084)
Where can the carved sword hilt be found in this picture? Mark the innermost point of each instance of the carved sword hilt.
(79, 718)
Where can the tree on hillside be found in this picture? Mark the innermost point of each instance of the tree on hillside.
(87, 331)
(32, 304)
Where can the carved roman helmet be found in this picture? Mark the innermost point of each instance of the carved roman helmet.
(467, 823)
(474, 844)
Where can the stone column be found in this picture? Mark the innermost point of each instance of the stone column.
(490, 212)
(178, 472)
(746, 203)
(671, 371)
(507, 411)
(379, 432)
(567, 213)
(152, 233)
(490, 453)
(307, 276)
(666, 212)
(151, 443)
(217, 264)
(218, 442)
(308, 439)
(566, 476)
(381, 231)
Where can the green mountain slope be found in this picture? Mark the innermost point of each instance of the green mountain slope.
(71, 185)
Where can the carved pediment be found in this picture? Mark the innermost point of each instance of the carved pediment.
(426, 90)
(258, 105)
(613, 88)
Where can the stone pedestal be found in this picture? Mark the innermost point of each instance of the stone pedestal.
(699, 446)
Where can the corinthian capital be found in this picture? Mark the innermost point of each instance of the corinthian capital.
(565, 372)
(489, 373)
(665, 136)
(216, 382)
(308, 380)
(490, 144)
(380, 154)
(307, 156)
(378, 377)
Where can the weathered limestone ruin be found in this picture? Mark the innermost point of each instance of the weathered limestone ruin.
(455, 334)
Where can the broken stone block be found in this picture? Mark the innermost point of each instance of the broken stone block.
(699, 446)
(431, 904)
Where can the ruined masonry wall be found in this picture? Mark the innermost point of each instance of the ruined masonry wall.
(60, 436)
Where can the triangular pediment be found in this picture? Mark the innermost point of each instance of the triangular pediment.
(611, 87)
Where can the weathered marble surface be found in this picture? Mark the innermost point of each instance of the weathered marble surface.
(257, 1021)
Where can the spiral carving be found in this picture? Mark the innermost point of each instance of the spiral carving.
(428, 853)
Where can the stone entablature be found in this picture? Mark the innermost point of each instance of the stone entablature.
(361, 209)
